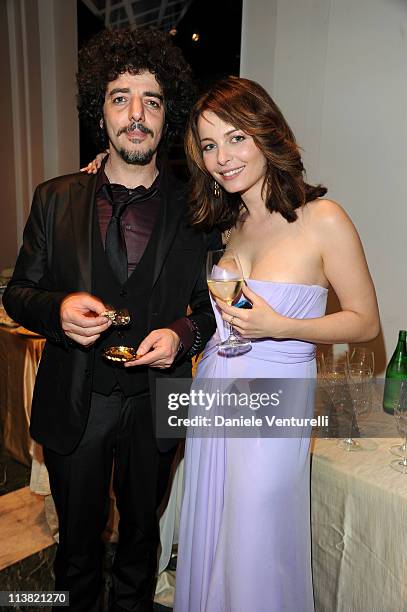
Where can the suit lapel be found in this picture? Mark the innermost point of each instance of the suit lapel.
(82, 204)
(172, 206)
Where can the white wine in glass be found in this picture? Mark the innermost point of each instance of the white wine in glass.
(226, 290)
(225, 280)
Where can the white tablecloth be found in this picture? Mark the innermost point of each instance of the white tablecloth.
(359, 529)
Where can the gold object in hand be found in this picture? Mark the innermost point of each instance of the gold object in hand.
(120, 354)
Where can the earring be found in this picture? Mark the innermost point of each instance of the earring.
(216, 189)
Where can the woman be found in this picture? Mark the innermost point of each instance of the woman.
(245, 525)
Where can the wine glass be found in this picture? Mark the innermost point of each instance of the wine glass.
(359, 379)
(333, 371)
(225, 280)
(398, 449)
(333, 377)
(321, 405)
(400, 414)
(361, 356)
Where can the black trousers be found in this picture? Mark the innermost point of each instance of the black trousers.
(119, 428)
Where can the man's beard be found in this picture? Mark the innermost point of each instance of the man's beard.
(136, 158)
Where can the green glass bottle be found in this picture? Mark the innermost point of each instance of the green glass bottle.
(396, 372)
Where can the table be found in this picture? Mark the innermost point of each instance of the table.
(359, 527)
(359, 524)
(19, 359)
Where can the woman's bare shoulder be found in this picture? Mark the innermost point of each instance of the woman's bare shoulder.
(326, 215)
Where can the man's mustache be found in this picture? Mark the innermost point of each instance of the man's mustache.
(135, 126)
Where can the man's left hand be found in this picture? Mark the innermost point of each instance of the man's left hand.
(158, 349)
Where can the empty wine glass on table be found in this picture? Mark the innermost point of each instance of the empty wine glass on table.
(333, 376)
(331, 360)
(359, 380)
(323, 408)
(361, 356)
(225, 280)
(400, 414)
(399, 450)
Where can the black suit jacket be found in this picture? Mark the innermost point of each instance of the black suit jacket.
(55, 260)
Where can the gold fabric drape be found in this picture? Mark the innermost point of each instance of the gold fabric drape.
(19, 359)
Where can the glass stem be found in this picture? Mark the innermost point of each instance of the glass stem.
(352, 423)
(231, 333)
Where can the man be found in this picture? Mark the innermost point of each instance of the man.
(119, 238)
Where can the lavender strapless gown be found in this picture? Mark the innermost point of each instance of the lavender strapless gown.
(244, 543)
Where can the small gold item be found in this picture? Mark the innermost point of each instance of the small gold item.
(120, 354)
(117, 317)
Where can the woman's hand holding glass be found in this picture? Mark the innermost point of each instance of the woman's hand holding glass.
(260, 321)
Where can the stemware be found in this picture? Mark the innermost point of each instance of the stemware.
(225, 280)
(361, 356)
(359, 381)
(399, 450)
(400, 414)
(333, 374)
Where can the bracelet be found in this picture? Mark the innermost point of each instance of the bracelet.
(196, 346)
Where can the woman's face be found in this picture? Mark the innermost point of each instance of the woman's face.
(230, 155)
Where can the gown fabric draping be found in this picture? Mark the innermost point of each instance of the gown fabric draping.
(245, 541)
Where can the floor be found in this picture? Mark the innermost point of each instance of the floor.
(28, 549)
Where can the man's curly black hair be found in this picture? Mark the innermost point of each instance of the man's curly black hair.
(112, 52)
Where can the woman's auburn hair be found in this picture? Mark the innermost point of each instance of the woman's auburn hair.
(245, 105)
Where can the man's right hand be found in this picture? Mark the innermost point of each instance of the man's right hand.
(80, 318)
